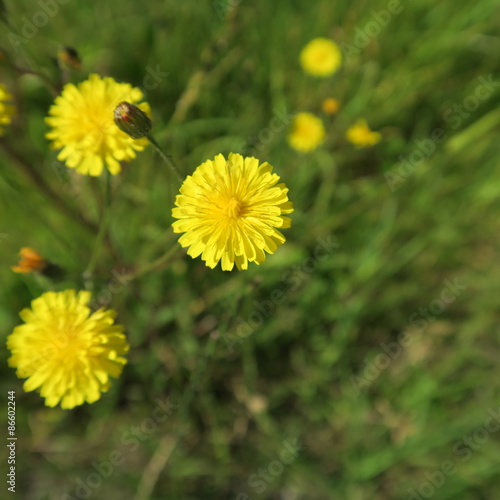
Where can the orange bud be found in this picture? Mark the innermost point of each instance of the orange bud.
(330, 106)
(30, 261)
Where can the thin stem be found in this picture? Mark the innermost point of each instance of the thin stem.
(158, 263)
(46, 80)
(101, 235)
(168, 158)
(155, 466)
(200, 375)
(53, 89)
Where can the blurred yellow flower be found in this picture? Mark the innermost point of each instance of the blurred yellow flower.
(330, 106)
(229, 211)
(361, 135)
(321, 57)
(7, 110)
(307, 132)
(30, 261)
(65, 351)
(82, 125)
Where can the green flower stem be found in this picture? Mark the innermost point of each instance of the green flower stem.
(52, 88)
(168, 159)
(199, 376)
(101, 235)
(158, 263)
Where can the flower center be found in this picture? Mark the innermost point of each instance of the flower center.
(95, 129)
(322, 57)
(233, 208)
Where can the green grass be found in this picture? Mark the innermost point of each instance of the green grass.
(240, 392)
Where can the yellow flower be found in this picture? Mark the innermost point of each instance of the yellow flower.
(65, 351)
(321, 57)
(361, 135)
(229, 211)
(7, 110)
(307, 132)
(30, 261)
(82, 125)
(330, 106)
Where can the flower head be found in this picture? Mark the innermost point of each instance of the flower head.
(321, 57)
(82, 125)
(30, 261)
(361, 135)
(230, 210)
(65, 351)
(307, 132)
(132, 120)
(330, 106)
(7, 110)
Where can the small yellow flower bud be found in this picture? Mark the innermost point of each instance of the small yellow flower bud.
(132, 120)
(330, 106)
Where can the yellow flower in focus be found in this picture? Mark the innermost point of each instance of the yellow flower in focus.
(307, 132)
(30, 261)
(65, 351)
(330, 106)
(7, 110)
(82, 125)
(361, 135)
(321, 57)
(230, 210)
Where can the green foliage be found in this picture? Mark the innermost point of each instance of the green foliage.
(395, 238)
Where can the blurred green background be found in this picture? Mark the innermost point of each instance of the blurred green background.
(310, 374)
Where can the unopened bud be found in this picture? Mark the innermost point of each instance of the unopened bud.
(32, 262)
(68, 57)
(330, 106)
(132, 120)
